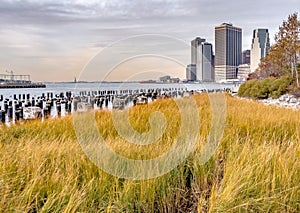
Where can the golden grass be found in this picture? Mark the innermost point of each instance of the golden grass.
(256, 167)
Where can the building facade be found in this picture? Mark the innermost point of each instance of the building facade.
(260, 47)
(168, 79)
(246, 55)
(191, 72)
(244, 71)
(228, 52)
(201, 60)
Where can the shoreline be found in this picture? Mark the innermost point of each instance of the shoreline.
(285, 101)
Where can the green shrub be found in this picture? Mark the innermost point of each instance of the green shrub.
(266, 88)
(245, 89)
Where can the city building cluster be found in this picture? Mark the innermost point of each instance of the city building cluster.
(229, 61)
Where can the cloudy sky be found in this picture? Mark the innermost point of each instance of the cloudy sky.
(55, 40)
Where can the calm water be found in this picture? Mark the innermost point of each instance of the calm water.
(75, 88)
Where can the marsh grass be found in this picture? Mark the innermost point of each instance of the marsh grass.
(256, 167)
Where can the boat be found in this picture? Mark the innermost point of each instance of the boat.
(17, 81)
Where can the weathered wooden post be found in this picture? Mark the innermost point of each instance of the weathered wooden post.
(69, 107)
(75, 104)
(5, 106)
(10, 112)
(17, 114)
(2, 116)
(58, 108)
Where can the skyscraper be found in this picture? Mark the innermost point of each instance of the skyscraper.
(195, 49)
(228, 42)
(260, 47)
(246, 57)
(201, 55)
(191, 72)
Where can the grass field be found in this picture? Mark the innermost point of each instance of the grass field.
(256, 167)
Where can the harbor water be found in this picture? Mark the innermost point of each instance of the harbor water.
(76, 88)
(60, 99)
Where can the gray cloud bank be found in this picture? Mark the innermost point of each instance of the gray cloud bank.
(58, 37)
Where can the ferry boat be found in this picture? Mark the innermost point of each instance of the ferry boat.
(18, 81)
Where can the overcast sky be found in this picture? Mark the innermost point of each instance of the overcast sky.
(53, 40)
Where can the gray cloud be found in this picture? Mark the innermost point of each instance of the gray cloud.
(67, 32)
(63, 12)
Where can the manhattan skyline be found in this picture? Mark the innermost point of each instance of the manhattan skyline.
(54, 40)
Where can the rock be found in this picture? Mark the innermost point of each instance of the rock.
(293, 100)
(282, 98)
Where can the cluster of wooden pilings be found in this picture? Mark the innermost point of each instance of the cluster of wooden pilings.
(25, 107)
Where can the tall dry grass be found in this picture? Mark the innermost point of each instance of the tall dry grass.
(256, 167)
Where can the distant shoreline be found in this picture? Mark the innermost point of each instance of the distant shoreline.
(118, 82)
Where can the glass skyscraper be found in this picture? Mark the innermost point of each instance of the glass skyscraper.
(228, 44)
(201, 63)
(260, 47)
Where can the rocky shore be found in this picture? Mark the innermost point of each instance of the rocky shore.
(287, 101)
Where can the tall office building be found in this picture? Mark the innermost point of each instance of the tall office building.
(201, 57)
(228, 43)
(246, 57)
(191, 72)
(195, 49)
(260, 47)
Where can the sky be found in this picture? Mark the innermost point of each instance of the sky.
(57, 40)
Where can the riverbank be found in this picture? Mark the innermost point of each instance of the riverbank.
(286, 101)
(256, 167)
